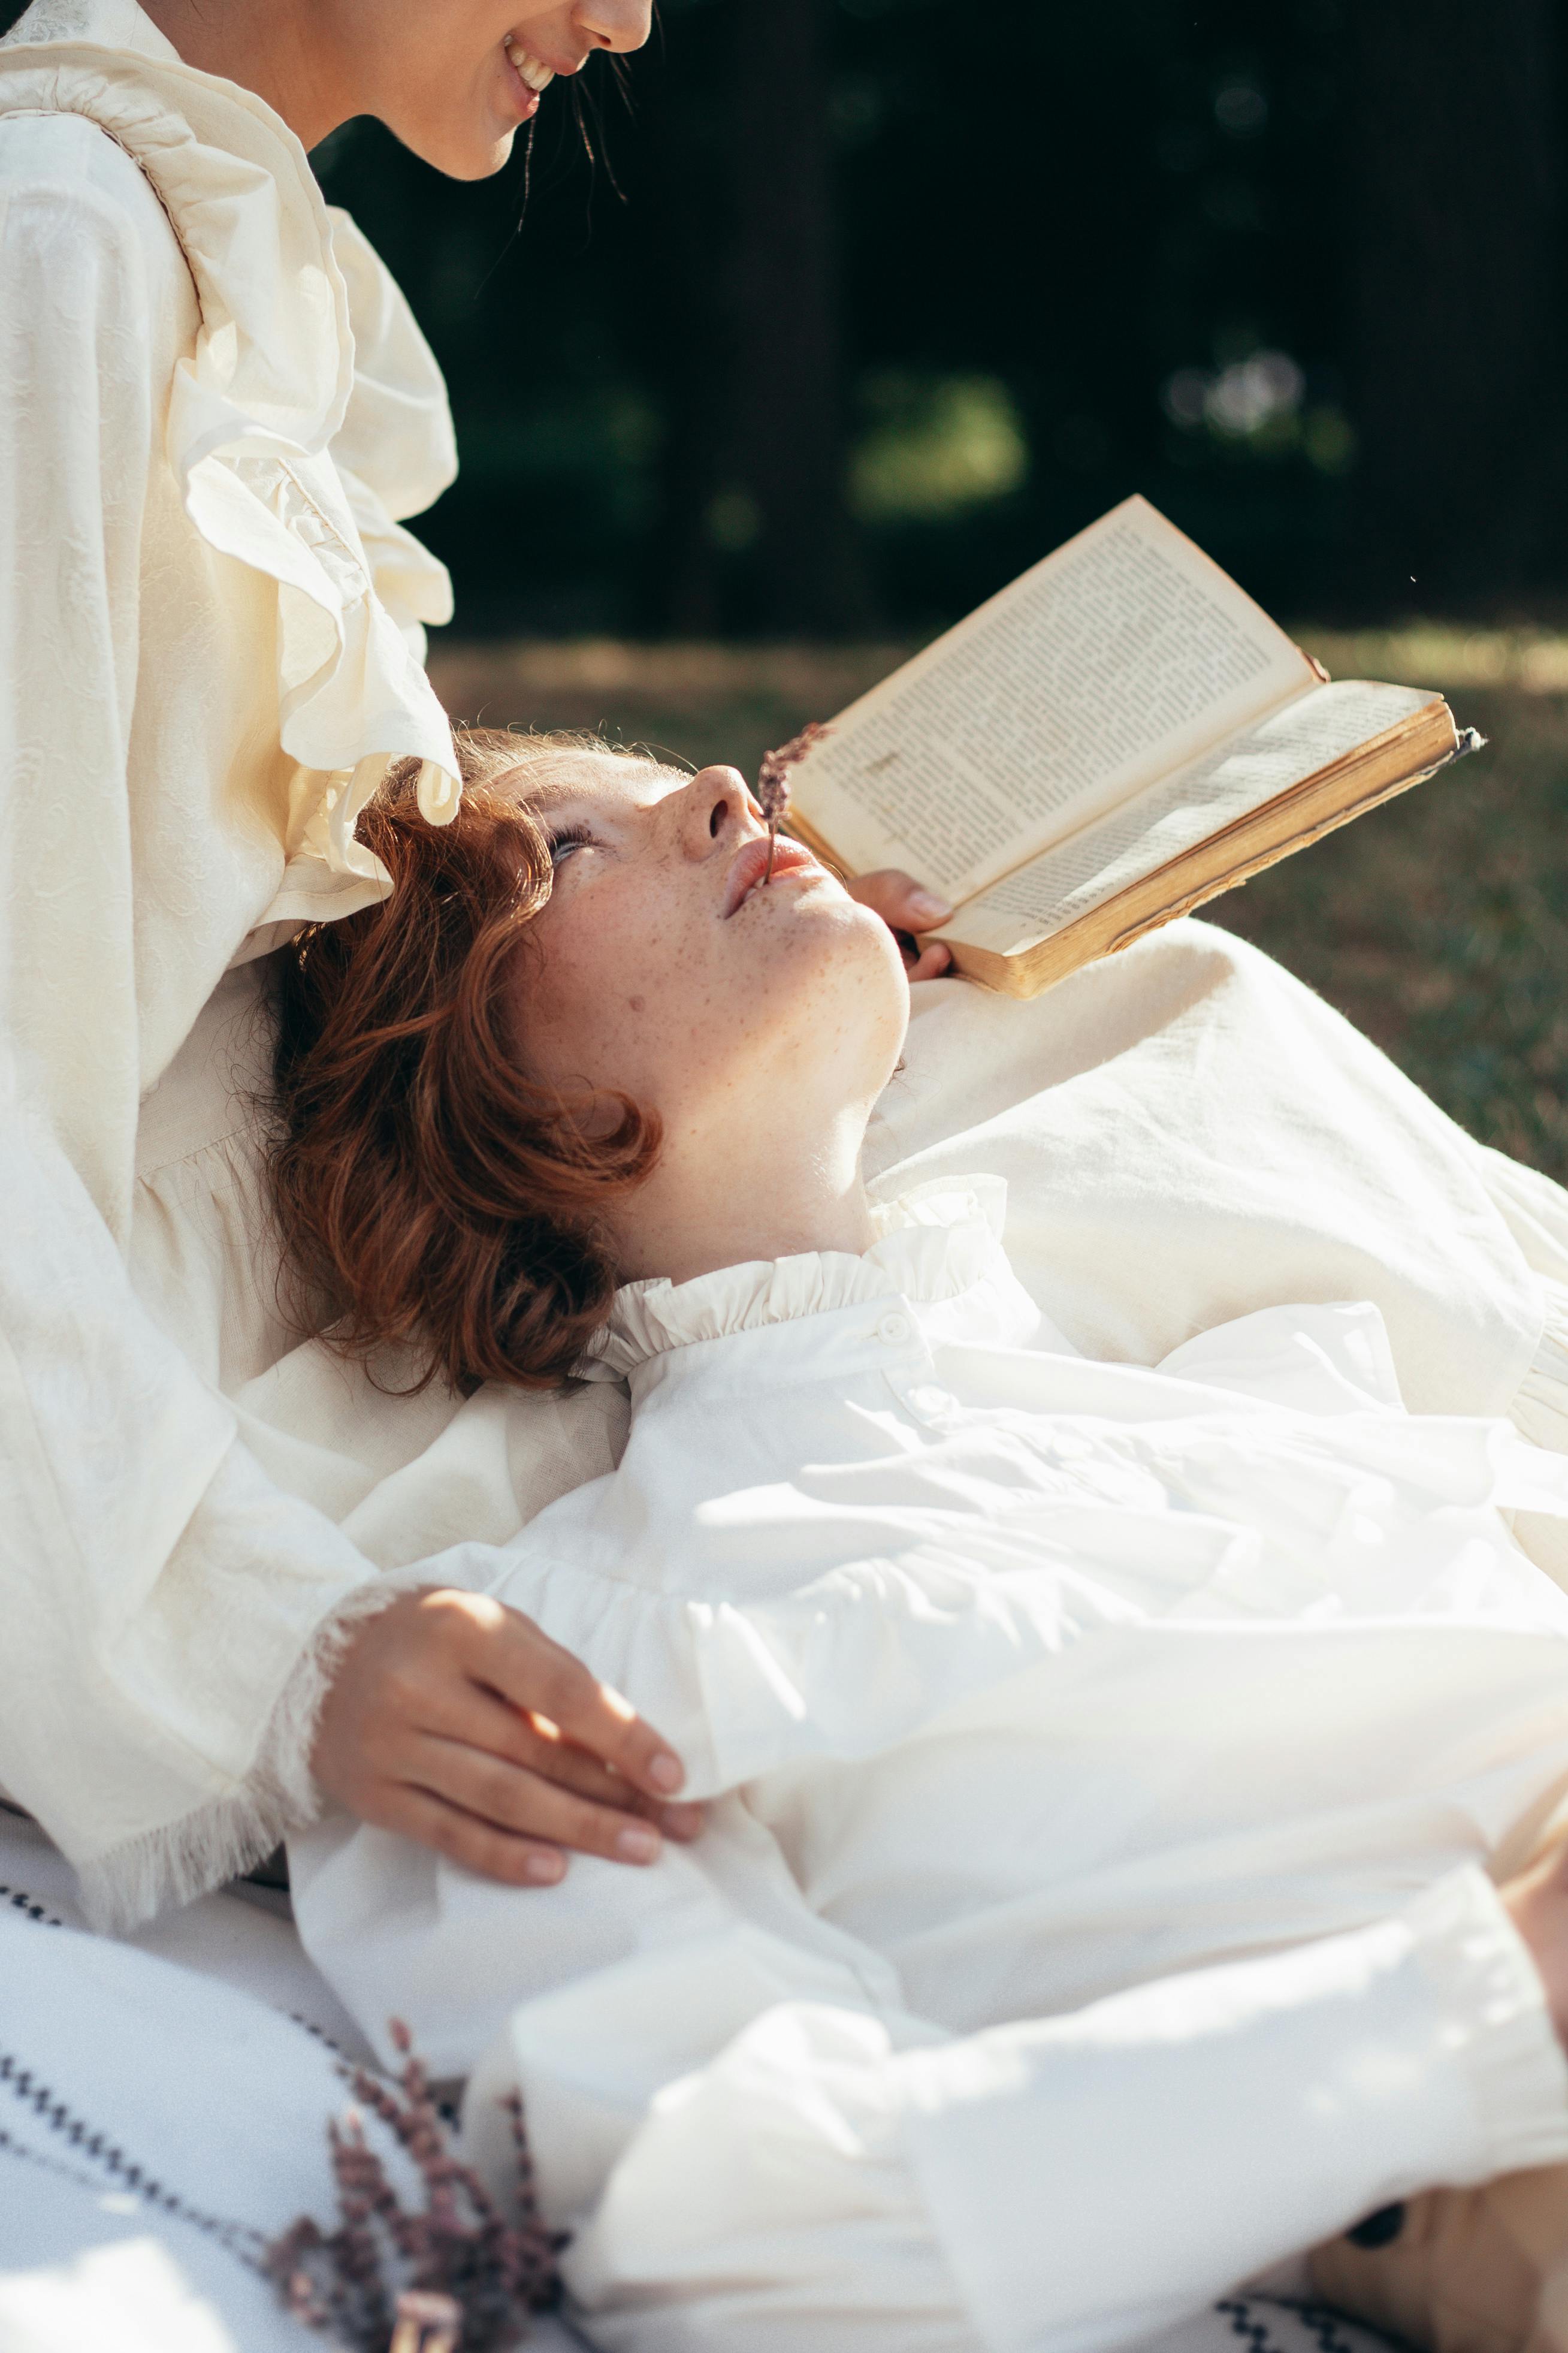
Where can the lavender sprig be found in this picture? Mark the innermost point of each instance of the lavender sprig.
(453, 2278)
(773, 782)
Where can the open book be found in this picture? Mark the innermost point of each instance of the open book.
(1118, 736)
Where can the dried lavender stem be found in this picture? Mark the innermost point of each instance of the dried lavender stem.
(465, 2275)
(772, 783)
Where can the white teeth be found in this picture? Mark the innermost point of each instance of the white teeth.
(536, 75)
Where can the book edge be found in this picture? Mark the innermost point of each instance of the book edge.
(1027, 972)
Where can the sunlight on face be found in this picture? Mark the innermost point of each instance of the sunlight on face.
(663, 967)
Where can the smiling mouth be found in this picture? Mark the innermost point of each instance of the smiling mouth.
(530, 71)
(750, 866)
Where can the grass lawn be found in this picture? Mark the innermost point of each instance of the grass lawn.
(1438, 924)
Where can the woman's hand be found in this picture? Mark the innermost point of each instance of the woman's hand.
(908, 908)
(453, 1720)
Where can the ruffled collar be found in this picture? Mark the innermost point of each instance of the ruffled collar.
(112, 23)
(253, 412)
(938, 1254)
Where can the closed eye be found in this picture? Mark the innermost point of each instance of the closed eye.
(566, 839)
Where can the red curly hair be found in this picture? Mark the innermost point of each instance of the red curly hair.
(429, 1193)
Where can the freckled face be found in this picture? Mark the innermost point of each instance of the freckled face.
(663, 967)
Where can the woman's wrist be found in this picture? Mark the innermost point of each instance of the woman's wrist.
(288, 1754)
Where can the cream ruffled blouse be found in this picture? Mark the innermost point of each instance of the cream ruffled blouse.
(1039, 1703)
(215, 411)
(212, 371)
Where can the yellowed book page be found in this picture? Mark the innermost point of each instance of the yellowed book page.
(1118, 658)
(1180, 812)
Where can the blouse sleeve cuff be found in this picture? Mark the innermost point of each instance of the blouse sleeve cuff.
(1493, 2018)
(283, 1766)
(236, 1827)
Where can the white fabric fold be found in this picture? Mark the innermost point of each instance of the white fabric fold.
(1541, 1410)
(1102, 1763)
(760, 1636)
(770, 2201)
(1408, 2053)
(1081, 2182)
(1188, 1134)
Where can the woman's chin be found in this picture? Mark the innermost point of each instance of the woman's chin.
(811, 918)
(476, 148)
(827, 959)
(475, 160)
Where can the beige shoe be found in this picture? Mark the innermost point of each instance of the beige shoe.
(1460, 2271)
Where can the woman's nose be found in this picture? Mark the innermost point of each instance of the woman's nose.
(618, 25)
(714, 808)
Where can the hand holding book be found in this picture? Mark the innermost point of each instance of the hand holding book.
(912, 913)
(1116, 737)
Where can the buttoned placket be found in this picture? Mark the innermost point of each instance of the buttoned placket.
(911, 1375)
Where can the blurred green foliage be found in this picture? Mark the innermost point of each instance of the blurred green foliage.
(1080, 251)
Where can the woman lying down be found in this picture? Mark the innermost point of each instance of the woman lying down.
(1130, 1796)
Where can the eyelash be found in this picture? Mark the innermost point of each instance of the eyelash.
(570, 837)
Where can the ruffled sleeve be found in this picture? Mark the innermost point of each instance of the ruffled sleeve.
(255, 412)
(395, 451)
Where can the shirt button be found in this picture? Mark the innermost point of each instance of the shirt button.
(894, 1330)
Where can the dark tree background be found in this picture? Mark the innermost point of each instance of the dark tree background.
(860, 305)
(1457, 293)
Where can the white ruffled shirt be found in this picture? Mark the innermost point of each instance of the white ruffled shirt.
(1104, 1766)
(215, 410)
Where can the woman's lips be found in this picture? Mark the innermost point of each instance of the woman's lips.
(531, 76)
(750, 864)
(538, 71)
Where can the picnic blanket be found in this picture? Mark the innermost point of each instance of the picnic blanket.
(162, 2116)
(158, 2125)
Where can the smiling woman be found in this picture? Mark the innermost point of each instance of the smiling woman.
(454, 82)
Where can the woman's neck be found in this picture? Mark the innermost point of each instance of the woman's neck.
(266, 46)
(711, 1204)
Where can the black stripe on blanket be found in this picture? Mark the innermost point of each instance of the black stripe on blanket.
(21, 1901)
(75, 2133)
(1257, 2323)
